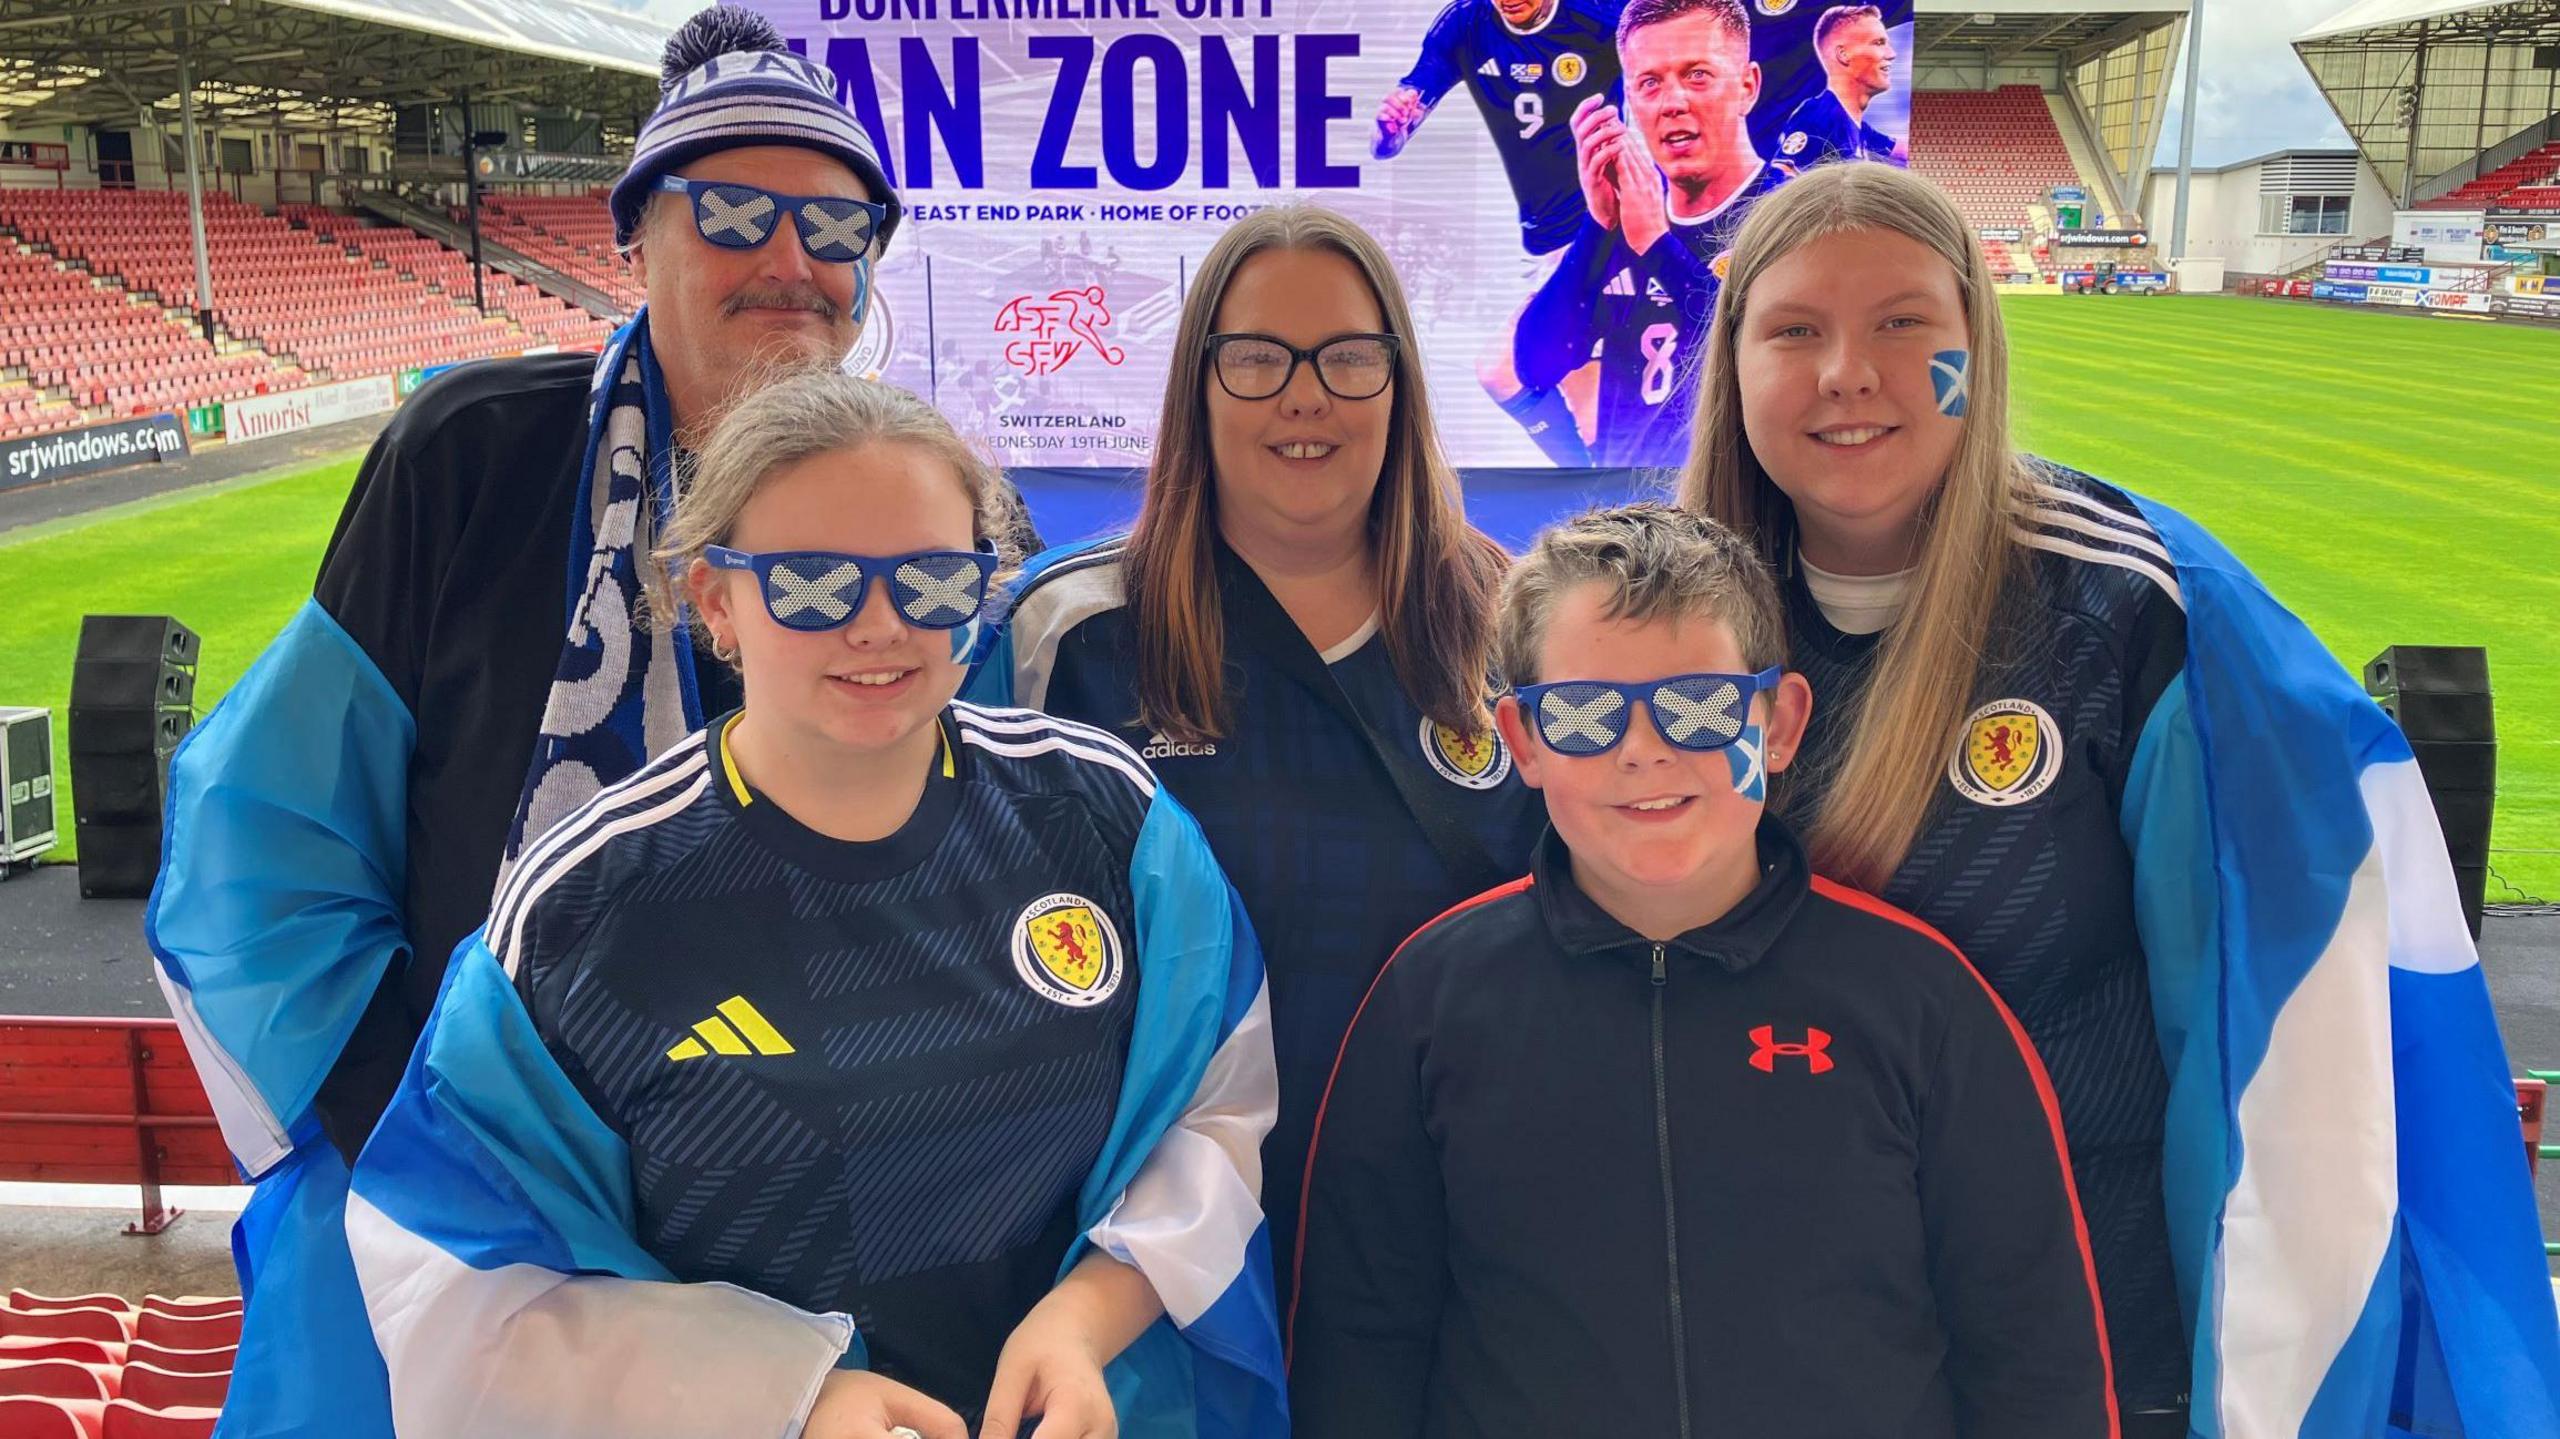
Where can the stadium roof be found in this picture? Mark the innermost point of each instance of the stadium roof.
(2425, 86)
(2462, 19)
(2021, 27)
(319, 63)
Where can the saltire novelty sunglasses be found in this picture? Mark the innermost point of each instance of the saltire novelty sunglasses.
(834, 228)
(1698, 712)
(817, 590)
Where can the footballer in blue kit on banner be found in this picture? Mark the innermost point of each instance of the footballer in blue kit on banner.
(1561, 226)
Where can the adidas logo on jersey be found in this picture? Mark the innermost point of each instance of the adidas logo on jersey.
(1158, 747)
(737, 1030)
(1489, 69)
(1621, 283)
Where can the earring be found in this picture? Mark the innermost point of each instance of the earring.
(723, 651)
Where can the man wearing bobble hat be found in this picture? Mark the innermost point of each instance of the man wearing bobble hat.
(471, 666)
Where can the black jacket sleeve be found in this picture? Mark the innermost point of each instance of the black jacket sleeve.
(2009, 1255)
(1373, 1255)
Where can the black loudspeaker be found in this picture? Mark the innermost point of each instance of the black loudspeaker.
(114, 787)
(133, 687)
(119, 859)
(2440, 697)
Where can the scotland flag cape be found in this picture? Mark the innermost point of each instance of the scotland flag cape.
(2349, 1209)
(492, 1214)
(279, 905)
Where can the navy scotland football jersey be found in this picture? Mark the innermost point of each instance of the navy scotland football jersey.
(1646, 316)
(2022, 864)
(1332, 867)
(1527, 83)
(1820, 129)
(866, 1078)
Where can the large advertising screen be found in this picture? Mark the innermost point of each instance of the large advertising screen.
(1556, 182)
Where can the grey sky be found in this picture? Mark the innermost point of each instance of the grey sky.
(2256, 95)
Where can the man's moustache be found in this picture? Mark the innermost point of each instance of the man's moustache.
(791, 298)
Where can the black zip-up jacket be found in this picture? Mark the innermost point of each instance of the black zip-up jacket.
(1796, 1172)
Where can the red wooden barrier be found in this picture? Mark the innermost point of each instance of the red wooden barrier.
(106, 1101)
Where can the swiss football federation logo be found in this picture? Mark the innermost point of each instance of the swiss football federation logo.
(2012, 751)
(1056, 329)
(1814, 1049)
(1067, 950)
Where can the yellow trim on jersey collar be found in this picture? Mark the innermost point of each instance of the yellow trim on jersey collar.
(738, 786)
(729, 763)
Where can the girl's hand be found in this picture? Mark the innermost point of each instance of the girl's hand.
(854, 1404)
(1050, 1370)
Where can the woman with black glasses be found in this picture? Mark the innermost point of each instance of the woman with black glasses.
(1296, 635)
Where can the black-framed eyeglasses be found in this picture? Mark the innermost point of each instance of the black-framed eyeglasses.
(1256, 367)
(834, 228)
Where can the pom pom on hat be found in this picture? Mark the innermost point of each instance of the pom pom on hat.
(720, 30)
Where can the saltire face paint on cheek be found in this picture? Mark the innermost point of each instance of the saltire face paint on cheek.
(1743, 764)
(1951, 372)
(861, 289)
(964, 638)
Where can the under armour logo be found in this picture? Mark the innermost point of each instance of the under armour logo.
(1682, 717)
(1814, 1051)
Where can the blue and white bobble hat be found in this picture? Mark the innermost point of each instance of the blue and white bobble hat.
(727, 81)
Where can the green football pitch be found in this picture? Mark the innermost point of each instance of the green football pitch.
(2393, 478)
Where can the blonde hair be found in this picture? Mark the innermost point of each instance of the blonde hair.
(1659, 562)
(1436, 574)
(794, 415)
(1879, 788)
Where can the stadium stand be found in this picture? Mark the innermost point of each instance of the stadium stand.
(545, 317)
(295, 296)
(1998, 152)
(571, 233)
(108, 1388)
(2528, 182)
(68, 345)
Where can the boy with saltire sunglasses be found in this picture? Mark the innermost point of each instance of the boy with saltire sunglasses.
(1673, 1137)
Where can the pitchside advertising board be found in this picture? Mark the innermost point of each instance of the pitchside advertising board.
(283, 414)
(1067, 163)
(93, 450)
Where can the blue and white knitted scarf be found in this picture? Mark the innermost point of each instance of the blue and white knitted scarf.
(622, 693)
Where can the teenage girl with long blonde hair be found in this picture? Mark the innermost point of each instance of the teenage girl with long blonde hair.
(2062, 724)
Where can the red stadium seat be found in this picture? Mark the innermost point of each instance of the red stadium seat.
(193, 1306)
(128, 1420)
(181, 1361)
(52, 1419)
(76, 1324)
(170, 1332)
(86, 1351)
(157, 1388)
(58, 1379)
(25, 1302)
